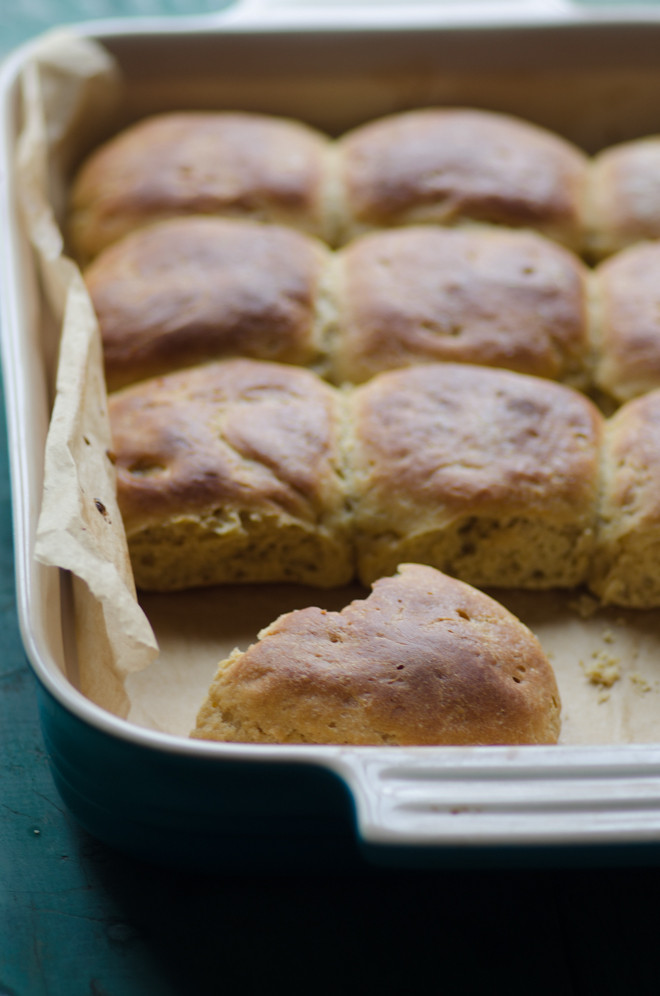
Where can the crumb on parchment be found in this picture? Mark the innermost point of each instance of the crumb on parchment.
(640, 682)
(603, 669)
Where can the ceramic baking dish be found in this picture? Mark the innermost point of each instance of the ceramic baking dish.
(593, 75)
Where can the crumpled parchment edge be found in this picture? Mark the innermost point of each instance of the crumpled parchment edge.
(79, 528)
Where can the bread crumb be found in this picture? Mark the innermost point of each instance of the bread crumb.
(603, 669)
(603, 697)
(585, 606)
(640, 683)
(608, 636)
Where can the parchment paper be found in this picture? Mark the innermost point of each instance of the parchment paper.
(80, 526)
(607, 661)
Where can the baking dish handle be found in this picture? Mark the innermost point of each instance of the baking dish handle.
(503, 796)
(384, 12)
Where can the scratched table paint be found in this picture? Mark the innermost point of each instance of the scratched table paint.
(77, 919)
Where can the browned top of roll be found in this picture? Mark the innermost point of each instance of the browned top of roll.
(452, 164)
(191, 289)
(624, 203)
(452, 439)
(239, 434)
(199, 162)
(425, 659)
(495, 297)
(627, 325)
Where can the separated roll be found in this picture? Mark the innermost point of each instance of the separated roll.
(424, 659)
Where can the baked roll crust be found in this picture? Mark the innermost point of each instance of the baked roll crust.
(493, 297)
(626, 322)
(456, 165)
(232, 472)
(489, 475)
(227, 163)
(626, 568)
(425, 659)
(624, 196)
(187, 290)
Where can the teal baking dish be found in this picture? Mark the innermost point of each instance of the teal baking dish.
(594, 76)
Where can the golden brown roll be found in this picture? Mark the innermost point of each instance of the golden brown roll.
(457, 165)
(487, 296)
(624, 196)
(626, 322)
(226, 163)
(187, 290)
(489, 475)
(626, 570)
(425, 659)
(232, 472)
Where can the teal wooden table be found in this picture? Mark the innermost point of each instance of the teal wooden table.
(77, 919)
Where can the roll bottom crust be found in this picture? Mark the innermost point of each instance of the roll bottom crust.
(249, 471)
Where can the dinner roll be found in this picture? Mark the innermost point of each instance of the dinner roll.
(489, 475)
(187, 290)
(232, 472)
(488, 296)
(624, 196)
(424, 659)
(226, 163)
(454, 165)
(626, 326)
(626, 569)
